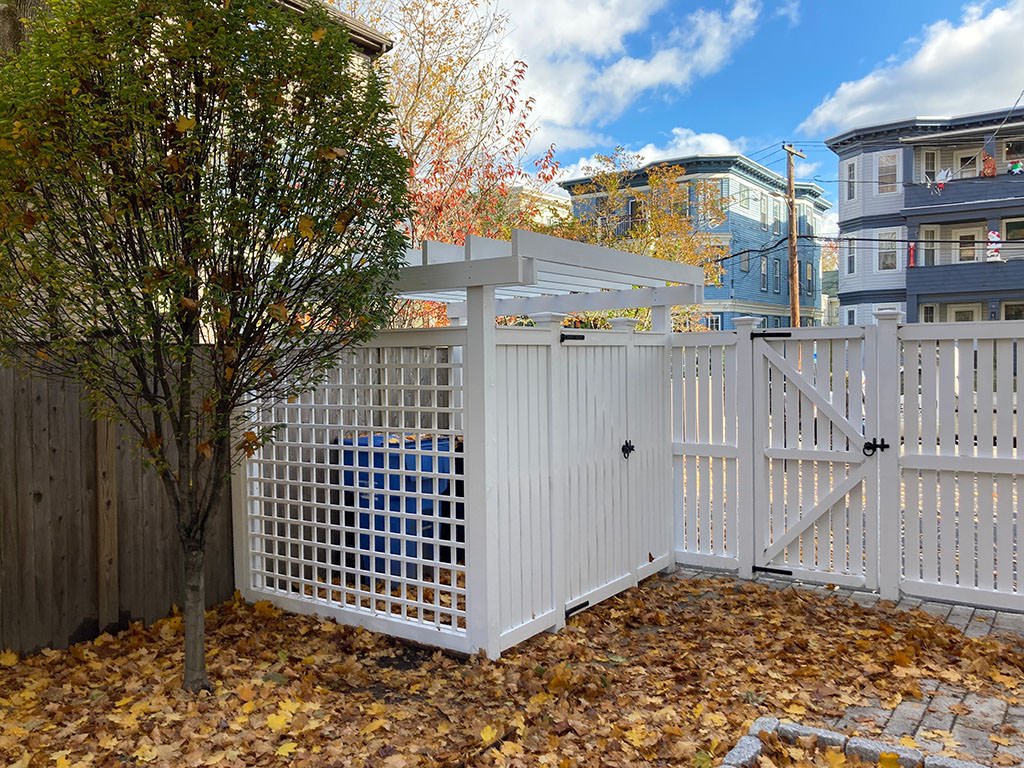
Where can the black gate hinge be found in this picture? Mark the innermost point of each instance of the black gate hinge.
(570, 337)
(771, 334)
(627, 448)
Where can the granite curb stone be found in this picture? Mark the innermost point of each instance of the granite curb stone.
(937, 761)
(745, 753)
(869, 749)
(791, 732)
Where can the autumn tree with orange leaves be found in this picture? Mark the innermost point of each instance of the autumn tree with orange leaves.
(647, 210)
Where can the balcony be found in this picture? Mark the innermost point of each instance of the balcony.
(972, 281)
(977, 189)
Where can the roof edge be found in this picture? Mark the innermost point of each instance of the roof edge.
(365, 38)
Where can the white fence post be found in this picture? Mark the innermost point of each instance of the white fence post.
(886, 392)
(747, 449)
(482, 594)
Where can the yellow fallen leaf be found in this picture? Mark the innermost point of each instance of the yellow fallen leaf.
(907, 741)
(278, 722)
(146, 753)
(290, 705)
(318, 34)
(835, 757)
(488, 735)
(888, 760)
(286, 749)
(8, 659)
(1000, 740)
(374, 725)
(796, 709)
(511, 749)
(63, 761)
(184, 123)
(637, 735)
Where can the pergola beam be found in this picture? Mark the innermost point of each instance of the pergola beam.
(635, 298)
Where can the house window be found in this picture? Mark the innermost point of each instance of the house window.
(1013, 310)
(776, 275)
(745, 262)
(1014, 153)
(887, 173)
(930, 166)
(966, 243)
(927, 247)
(809, 276)
(764, 212)
(887, 258)
(851, 180)
(744, 196)
(713, 322)
(928, 313)
(776, 217)
(967, 164)
(636, 214)
(964, 313)
(811, 228)
(851, 317)
(1013, 239)
(764, 273)
(851, 257)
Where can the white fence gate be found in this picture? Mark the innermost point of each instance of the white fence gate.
(886, 457)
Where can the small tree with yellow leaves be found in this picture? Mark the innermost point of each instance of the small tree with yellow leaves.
(198, 210)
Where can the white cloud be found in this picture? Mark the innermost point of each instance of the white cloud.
(790, 9)
(581, 70)
(805, 169)
(682, 143)
(830, 223)
(958, 67)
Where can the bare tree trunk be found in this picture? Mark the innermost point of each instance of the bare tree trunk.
(196, 678)
(12, 31)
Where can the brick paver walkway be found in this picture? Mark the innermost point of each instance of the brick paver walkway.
(948, 717)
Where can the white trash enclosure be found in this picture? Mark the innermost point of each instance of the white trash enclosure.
(471, 486)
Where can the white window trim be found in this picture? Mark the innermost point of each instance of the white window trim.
(979, 243)
(1004, 305)
(923, 236)
(849, 250)
(846, 316)
(896, 184)
(952, 309)
(920, 312)
(714, 322)
(846, 180)
(924, 165)
(962, 153)
(878, 248)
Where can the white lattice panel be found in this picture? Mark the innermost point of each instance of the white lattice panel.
(357, 510)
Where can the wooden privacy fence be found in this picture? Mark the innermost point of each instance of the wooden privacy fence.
(87, 539)
(888, 457)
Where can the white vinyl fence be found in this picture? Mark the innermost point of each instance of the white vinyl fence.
(383, 502)
(883, 457)
(471, 489)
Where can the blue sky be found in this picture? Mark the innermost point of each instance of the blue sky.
(668, 78)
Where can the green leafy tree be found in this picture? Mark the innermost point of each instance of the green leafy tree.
(198, 209)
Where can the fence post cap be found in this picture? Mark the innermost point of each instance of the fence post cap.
(548, 319)
(888, 314)
(746, 321)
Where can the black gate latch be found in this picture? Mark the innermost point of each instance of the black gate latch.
(627, 448)
(873, 445)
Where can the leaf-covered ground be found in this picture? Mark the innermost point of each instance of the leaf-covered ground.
(670, 673)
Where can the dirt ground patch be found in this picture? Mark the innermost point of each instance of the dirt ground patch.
(669, 673)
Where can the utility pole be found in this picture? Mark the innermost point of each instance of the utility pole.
(794, 265)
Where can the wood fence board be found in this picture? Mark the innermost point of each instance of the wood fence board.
(48, 523)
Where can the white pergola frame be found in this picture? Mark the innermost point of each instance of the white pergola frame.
(539, 274)
(543, 277)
